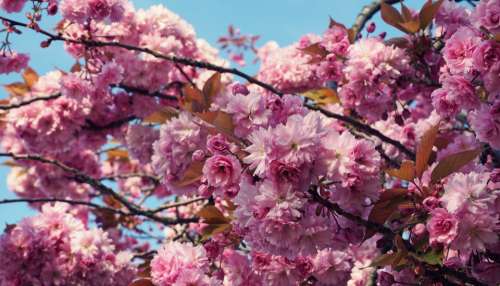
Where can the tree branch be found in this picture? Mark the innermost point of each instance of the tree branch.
(441, 270)
(71, 202)
(205, 65)
(95, 183)
(367, 12)
(29, 101)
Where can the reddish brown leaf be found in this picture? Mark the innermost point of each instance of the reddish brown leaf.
(334, 23)
(386, 205)
(428, 12)
(142, 282)
(118, 154)
(399, 42)
(407, 15)
(30, 77)
(323, 96)
(17, 89)
(211, 89)
(405, 172)
(390, 15)
(213, 229)
(385, 259)
(317, 51)
(212, 215)
(453, 163)
(192, 100)
(410, 27)
(424, 149)
(161, 116)
(191, 175)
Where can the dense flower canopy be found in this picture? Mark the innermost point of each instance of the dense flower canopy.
(349, 159)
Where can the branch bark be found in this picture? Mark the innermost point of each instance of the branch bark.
(367, 12)
(96, 184)
(205, 65)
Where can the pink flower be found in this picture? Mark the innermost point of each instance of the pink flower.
(450, 17)
(487, 15)
(248, 111)
(238, 270)
(296, 141)
(55, 248)
(288, 68)
(332, 267)
(442, 227)
(486, 122)
(456, 94)
(13, 62)
(139, 139)
(336, 41)
(258, 150)
(12, 6)
(175, 262)
(99, 9)
(459, 50)
(486, 55)
(218, 144)
(222, 170)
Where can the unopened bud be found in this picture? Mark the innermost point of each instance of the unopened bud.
(399, 120)
(45, 44)
(239, 88)
(382, 35)
(371, 27)
(52, 9)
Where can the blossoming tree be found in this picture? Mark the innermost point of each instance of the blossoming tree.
(349, 159)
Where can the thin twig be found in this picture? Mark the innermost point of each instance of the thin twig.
(29, 101)
(95, 183)
(71, 202)
(367, 12)
(178, 204)
(205, 65)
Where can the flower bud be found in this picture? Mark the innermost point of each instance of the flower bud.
(239, 88)
(371, 27)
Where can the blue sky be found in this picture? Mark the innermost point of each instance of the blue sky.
(278, 20)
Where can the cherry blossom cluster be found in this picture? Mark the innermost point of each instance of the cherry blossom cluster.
(349, 159)
(56, 248)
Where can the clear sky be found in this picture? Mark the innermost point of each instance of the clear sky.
(278, 20)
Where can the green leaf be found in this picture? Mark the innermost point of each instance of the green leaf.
(431, 257)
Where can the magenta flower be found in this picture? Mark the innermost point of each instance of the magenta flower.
(222, 170)
(442, 227)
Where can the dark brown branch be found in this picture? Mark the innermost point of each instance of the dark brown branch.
(145, 92)
(367, 12)
(204, 65)
(359, 220)
(178, 204)
(365, 129)
(115, 124)
(441, 270)
(95, 183)
(71, 202)
(153, 179)
(29, 101)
